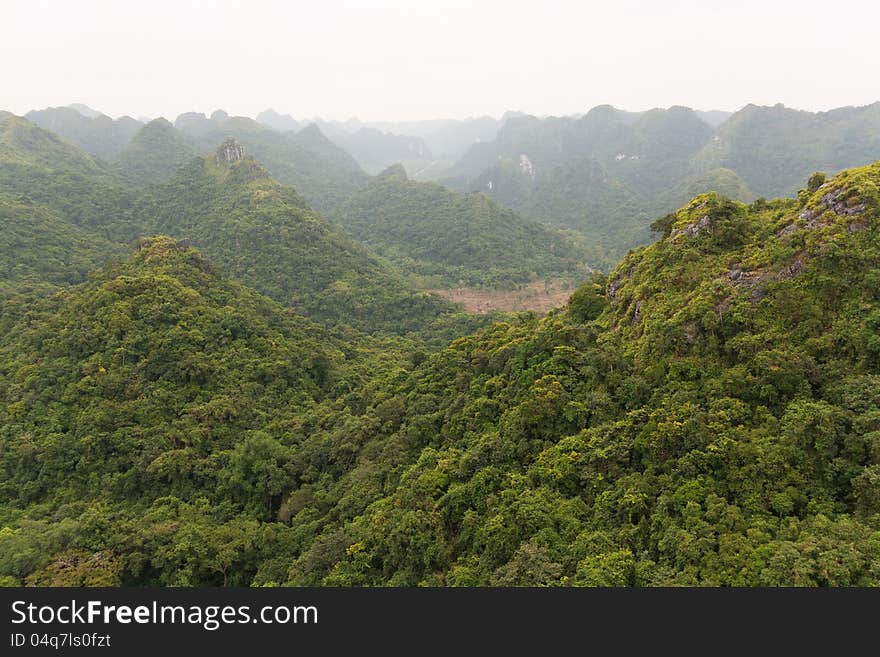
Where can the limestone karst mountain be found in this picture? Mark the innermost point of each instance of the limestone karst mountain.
(450, 239)
(155, 153)
(707, 414)
(305, 160)
(92, 131)
(266, 235)
(608, 172)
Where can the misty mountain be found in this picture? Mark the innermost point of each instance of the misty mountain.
(95, 133)
(85, 110)
(774, 149)
(280, 122)
(375, 150)
(604, 174)
(607, 172)
(445, 140)
(449, 239)
(714, 117)
(155, 153)
(306, 160)
(39, 167)
(265, 235)
(449, 139)
(261, 232)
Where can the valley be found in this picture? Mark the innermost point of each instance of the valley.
(611, 349)
(537, 296)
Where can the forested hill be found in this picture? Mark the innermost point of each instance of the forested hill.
(306, 160)
(707, 414)
(97, 133)
(265, 235)
(775, 148)
(446, 238)
(130, 388)
(608, 172)
(605, 173)
(66, 212)
(155, 153)
(149, 153)
(37, 166)
(39, 247)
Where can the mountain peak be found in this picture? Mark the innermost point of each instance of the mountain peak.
(85, 110)
(276, 121)
(157, 247)
(393, 171)
(160, 123)
(230, 151)
(312, 130)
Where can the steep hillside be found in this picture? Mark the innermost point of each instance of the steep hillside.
(628, 141)
(774, 149)
(709, 415)
(372, 149)
(38, 246)
(151, 384)
(306, 160)
(706, 415)
(38, 166)
(648, 163)
(259, 231)
(266, 236)
(155, 153)
(447, 238)
(97, 133)
(604, 174)
(579, 194)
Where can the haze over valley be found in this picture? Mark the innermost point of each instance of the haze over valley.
(603, 311)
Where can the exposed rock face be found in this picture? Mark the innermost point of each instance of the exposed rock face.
(616, 283)
(613, 287)
(694, 228)
(637, 314)
(229, 151)
(757, 280)
(840, 206)
(837, 202)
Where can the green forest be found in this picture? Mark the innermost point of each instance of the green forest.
(220, 370)
(444, 238)
(609, 172)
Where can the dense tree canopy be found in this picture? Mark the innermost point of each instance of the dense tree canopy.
(708, 413)
(447, 239)
(265, 235)
(608, 172)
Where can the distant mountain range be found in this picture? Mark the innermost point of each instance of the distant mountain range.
(152, 152)
(65, 212)
(447, 239)
(219, 364)
(705, 415)
(607, 172)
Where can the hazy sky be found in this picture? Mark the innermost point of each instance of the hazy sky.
(413, 59)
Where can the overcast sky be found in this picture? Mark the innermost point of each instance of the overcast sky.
(411, 59)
